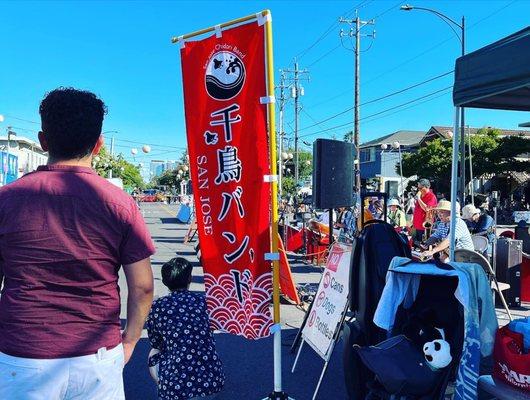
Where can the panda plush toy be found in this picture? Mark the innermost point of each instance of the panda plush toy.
(421, 329)
(438, 352)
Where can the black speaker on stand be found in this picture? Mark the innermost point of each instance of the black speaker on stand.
(332, 176)
(509, 258)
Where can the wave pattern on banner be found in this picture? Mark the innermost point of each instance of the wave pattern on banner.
(250, 317)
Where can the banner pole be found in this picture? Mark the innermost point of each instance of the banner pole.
(278, 393)
(176, 39)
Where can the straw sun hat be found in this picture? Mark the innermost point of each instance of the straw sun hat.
(445, 205)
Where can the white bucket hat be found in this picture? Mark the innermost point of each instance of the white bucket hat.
(393, 202)
(469, 210)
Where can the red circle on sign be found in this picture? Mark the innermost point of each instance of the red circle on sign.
(321, 298)
(312, 318)
(327, 280)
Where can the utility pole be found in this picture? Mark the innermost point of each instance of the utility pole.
(111, 154)
(356, 26)
(280, 142)
(296, 92)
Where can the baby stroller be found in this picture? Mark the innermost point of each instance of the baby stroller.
(377, 244)
(424, 304)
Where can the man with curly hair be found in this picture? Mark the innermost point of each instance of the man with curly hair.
(64, 234)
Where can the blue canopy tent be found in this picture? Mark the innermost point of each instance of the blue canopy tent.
(497, 77)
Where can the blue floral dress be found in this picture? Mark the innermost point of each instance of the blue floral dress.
(188, 364)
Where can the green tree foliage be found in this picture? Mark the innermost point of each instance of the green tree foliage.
(305, 170)
(104, 162)
(288, 186)
(491, 154)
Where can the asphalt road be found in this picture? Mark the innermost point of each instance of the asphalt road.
(248, 364)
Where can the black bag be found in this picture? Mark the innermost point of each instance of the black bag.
(400, 367)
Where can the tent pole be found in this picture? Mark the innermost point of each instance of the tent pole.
(454, 175)
(471, 179)
(463, 129)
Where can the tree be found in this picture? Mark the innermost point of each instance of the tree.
(491, 154)
(104, 162)
(305, 164)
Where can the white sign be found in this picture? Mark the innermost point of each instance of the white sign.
(330, 301)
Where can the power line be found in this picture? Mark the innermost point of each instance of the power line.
(409, 107)
(22, 119)
(330, 29)
(339, 45)
(438, 44)
(394, 7)
(324, 56)
(378, 113)
(381, 98)
(408, 102)
(315, 121)
(151, 144)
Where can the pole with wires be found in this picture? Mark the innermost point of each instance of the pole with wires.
(355, 31)
(296, 92)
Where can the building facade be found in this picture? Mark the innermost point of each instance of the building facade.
(29, 154)
(379, 167)
(380, 159)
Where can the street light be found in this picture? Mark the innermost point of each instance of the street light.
(462, 38)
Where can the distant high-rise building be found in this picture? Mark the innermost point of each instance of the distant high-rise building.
(156, 168)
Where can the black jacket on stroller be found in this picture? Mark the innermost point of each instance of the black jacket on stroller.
(372, 252)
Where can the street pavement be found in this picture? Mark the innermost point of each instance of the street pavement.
(248, 364)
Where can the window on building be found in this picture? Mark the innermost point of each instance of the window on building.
(367, 154)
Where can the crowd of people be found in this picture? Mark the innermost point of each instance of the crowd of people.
(422, 217)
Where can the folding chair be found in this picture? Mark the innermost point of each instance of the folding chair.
(480, 243)
(468, 256)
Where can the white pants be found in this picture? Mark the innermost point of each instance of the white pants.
(93, 377)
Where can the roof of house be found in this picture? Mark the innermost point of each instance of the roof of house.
(22, 139)
(444, 131)
(405, 138)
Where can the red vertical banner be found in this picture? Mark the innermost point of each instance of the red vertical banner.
(226, 123)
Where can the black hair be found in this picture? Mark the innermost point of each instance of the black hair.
(176, 273)
(71, 122)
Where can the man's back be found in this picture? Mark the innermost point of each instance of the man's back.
(64, 232)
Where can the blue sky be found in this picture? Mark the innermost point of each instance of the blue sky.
(121, 51)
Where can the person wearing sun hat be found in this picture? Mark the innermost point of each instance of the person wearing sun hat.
(462, 236)
(478, 223)
(396, 216)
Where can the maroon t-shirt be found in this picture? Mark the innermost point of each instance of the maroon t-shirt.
(64, 233)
